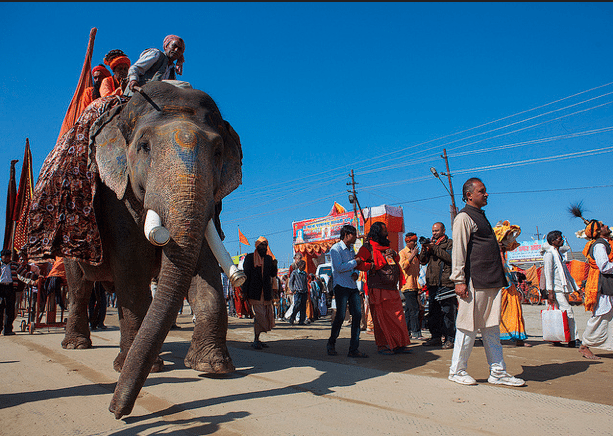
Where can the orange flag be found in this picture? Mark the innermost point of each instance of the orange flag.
(23, 200)
(242, 238)
(85, 81)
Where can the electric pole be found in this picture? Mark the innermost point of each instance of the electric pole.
(353, 199)
(453, 208)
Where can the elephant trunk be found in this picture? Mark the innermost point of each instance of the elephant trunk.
(179, 260)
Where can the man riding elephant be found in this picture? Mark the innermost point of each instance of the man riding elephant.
(154, 64)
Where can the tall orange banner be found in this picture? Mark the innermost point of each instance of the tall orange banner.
(24, 198)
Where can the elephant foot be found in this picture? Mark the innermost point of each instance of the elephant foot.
(158, 365)
(118, 409)
(213, 361)
(76, 343)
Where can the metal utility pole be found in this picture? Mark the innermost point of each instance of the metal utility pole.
(452, 207)
(353, 199)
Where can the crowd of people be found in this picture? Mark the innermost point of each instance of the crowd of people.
(469, 284)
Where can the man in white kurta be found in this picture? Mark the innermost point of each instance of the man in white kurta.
(478, 307)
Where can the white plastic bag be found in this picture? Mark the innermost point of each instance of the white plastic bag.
(555, 325)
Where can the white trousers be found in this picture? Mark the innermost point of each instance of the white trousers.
(563, 304)
(598, 331)
(463, 345)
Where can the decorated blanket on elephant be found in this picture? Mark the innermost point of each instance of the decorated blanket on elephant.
(62, 221)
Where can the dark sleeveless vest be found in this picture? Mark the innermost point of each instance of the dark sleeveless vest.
(483, 261)
(605, 281)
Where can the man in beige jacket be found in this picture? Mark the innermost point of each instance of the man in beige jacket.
(478, 275)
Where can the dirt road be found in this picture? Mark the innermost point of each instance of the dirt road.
(293, 387)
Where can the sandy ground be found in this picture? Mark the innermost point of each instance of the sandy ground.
(294, 387)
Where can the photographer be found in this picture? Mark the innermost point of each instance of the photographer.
(442, 303)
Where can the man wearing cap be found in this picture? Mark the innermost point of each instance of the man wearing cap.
(260, 268)
(478, 274)
(154, 64)
(116, 84)
(598, 289)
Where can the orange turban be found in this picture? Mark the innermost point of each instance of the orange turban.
(260, 240)
(506, 234)
(102, 69)
(119, 60)
(592, 229)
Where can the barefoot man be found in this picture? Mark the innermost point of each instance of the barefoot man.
(598, 289)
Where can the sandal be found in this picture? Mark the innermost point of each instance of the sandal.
(356, 354)
(257, 345)
(386, 352)
(402, 350)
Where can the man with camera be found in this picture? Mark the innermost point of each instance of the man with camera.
(442, 303)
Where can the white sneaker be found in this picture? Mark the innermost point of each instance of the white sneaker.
(463, 378)
(504, 378)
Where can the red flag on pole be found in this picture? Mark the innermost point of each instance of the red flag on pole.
(24, 198)
(10, 206)
(85, 81)
(242, 238)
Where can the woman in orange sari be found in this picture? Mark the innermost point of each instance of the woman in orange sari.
(384, 281)
(512, 324)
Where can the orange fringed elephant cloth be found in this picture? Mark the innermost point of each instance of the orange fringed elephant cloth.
(591, 286)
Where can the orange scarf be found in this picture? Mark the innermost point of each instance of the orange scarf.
(591, 285)
(380, 261)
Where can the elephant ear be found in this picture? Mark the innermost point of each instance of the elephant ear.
(231, 170)
(111, 149)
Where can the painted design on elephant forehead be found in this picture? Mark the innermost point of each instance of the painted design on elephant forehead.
(179, 109)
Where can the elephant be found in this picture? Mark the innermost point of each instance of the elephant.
(167, 152)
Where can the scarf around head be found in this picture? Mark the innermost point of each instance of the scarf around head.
(119, 60)
(102, 69)
(180, 59)
(258, 260)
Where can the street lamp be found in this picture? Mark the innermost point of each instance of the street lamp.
(452, 208)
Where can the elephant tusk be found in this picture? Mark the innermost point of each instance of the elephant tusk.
(237, 277)
(155, 232)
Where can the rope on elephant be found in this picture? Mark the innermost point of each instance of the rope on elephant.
(62, 221)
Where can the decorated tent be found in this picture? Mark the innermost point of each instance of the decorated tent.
(314, 237)
(393, 219)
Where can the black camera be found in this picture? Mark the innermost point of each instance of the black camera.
(423, 240)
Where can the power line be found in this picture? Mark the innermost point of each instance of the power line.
(370, 160)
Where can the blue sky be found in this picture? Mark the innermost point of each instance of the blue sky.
(317, 89)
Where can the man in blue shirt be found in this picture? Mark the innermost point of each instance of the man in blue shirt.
(345, 291)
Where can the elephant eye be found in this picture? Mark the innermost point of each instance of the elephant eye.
(143, 145)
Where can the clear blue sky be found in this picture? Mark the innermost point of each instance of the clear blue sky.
(317, 89)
